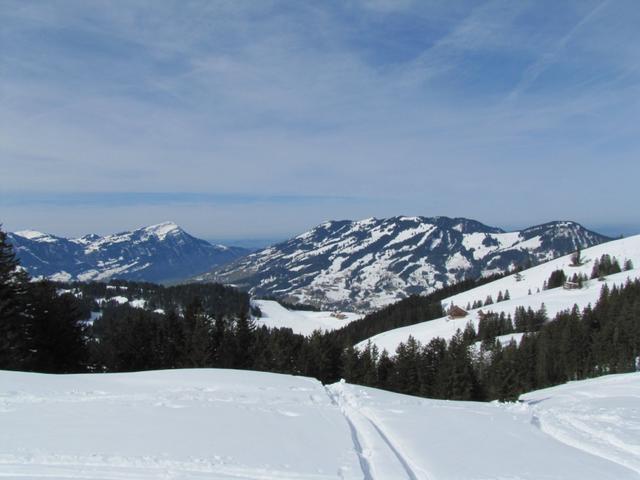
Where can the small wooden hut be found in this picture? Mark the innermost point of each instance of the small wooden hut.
(456, 312)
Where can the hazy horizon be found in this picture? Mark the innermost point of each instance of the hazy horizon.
(254, 242)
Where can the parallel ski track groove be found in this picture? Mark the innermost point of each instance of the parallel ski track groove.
(405, 464)
(364, 462)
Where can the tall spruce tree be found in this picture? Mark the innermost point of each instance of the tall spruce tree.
(15, 320)
(57, 332)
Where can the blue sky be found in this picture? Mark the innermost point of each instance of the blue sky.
(244, 119)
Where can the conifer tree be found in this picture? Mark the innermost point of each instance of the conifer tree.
(57, 332)
(407, 366)
(244, 338)
(14, 316)
(386, 372)
(462, 382)
(556, 279)
(350, 361)
(576, 258)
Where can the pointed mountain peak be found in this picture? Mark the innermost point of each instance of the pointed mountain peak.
(161, 230)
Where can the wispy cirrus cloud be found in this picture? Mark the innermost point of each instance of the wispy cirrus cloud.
(531, 74)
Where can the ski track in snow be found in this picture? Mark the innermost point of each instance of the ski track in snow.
(380, 459)
(401, 459)
(234, 425)
(599, 434)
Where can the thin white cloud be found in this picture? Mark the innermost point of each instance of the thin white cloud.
(553, 55)
(487, 27)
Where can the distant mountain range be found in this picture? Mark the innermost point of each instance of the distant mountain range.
(158, 253)
(370, 263)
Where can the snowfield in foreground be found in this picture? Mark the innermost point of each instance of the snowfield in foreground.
(226, 424)
(302, 322)
(214, 424)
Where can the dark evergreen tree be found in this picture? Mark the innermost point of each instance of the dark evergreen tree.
(57, 337)
(244, 329)
(386, 372)
(198, 338)
(460, 378)
(556, 279)
(431, 360)
(407, 366)
(576, 258)
(605, 266)
(15, 317)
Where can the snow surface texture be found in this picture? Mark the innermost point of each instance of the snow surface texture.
(600, 416)
(366, 264)
(305, 323)
(213, 424)
(555, 300)
(228, 424)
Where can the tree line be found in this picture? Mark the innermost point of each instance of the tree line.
(575, 345)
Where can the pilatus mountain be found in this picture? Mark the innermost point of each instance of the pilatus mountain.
(158, 253)
(373, 262)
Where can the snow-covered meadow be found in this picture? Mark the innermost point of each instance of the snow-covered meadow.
(302, 322)
(229, 424)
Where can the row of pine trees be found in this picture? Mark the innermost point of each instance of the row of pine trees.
(575, 345)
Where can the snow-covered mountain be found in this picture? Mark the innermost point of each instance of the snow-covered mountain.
(158, 253)
(369, 263)
(526, 290)
(231, 424)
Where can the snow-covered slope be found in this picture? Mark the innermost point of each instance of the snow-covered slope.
(407, 437)
(226, 424)
(302, 322)
(519, 286)
(162, 252)
(598, 416)
(366, 264)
